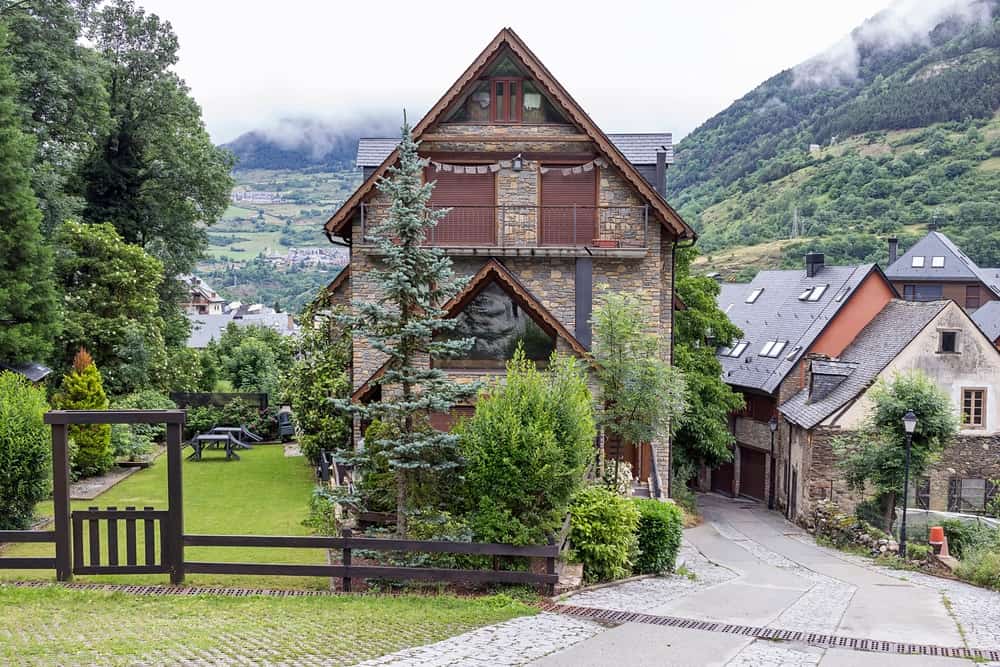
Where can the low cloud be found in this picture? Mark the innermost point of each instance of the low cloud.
(322, 136)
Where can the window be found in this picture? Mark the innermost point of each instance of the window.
(499, 325)
(816, 293)
(969, 495)
(506, 100)
(948, 342)
(937, 262)
(754, 295)
(922, 292)
(735, 351)
(773, 348)
(972, 299)
(917, 262)
(974, 408)
(922, 494)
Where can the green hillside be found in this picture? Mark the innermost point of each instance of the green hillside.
(848, 148)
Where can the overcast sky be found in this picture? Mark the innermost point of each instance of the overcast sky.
(634, 66)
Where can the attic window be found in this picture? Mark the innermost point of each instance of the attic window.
(813, 293)
(735, 351)
(917, 262)
(773, 348)
(754, 295)
(937, 262)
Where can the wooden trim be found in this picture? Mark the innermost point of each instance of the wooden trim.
(27, 563)
(55, 417)
(23, 536)
(338, 282)
(508, 138)
(474, 157)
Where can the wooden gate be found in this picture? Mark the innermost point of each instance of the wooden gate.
(89, 542)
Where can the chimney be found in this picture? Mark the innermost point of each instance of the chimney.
(814, 264)
(661, 173)
(893, 250)
(291, 322)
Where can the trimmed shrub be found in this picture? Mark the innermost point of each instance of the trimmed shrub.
(82, 389)
(25, 451)
(526, 449)
(130, 441)
(659, 535)
(603, 533)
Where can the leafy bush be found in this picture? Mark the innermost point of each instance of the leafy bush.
(323, 511)
(919, 552)
(377, 487)
(131, 441)
(526, 449)
(659, 535)
(82, 389)
(235, 413)
(603, 533)
(25, 451)
(981, 566)
(964, 537)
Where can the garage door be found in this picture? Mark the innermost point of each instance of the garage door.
(722, 478)
(752, 473)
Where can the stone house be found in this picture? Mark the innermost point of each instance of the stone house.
(936, 337)
(787, 317)
(546, 211)
(935, 268)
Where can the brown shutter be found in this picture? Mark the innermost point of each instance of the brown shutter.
(472, 220)
(568, 207)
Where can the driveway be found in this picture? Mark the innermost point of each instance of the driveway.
(742, 570)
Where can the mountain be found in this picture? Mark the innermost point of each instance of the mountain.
(307, 143)
(894, 127)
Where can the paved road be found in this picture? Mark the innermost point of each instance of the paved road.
(747, 566)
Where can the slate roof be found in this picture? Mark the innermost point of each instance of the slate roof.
(638, 148)
(987, 318)
(206, 328)
(34, 372)
(779, 314)
(957, 265)
(872, 350)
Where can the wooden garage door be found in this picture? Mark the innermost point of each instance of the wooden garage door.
(752, 473)
(569, 207)
(472, 220)
(722, 478)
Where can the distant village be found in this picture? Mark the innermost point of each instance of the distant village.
(210, 314)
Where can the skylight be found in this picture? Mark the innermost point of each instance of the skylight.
(773, 348)
(937, 262)
(813, 293)
(754, 295)
(917, 262)
(735, 351)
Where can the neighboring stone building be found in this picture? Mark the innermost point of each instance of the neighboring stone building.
(938, 338)
(935, 268)
(786, 317)
(206, 328)
(202, 299)
(987, 318)
(546, 210)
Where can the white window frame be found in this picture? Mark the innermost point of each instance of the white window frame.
(818, 292)
(937, 262)
(773, 348)
(754, 295)
(766, 350)
(739, 349)
(917, 261)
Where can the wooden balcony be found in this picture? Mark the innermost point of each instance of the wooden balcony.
(619, 231)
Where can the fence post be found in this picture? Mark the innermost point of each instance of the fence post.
(573, 242)
(60, 498)
(345, 583)
(550, 567)
(175, 506)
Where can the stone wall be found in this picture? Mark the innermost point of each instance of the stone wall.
(969, 457)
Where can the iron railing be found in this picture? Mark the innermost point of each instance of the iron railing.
(516, 225)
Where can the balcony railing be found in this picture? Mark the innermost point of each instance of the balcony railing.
(524, 226)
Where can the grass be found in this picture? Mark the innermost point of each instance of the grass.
(257, 243)
(54, 625)
(265, 493)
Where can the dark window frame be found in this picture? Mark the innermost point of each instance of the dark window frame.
(512, 101)
(969, 396)
(973, 296)
(948, 342)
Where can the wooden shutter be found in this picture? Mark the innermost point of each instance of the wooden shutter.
(472, 220)
(569, 207)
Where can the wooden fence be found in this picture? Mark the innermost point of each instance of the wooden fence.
(80, 552)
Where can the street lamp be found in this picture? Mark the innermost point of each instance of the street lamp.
(773, 425)
(909, 425)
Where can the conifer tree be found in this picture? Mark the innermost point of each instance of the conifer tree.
(28, 307)
(407, 324)
(82, 389)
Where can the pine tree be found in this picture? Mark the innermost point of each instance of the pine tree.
(408, 325)
(82, 389)
(28, 306)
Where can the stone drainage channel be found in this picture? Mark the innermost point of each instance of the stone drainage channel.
(611, 616)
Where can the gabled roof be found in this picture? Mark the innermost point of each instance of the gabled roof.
(778, 314)
(987, 318)
(495, 272)
(639, 149)
(957, 265)
(506, 38)
(872, 350)
(34, 372)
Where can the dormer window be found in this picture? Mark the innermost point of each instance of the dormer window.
(937, 262)
(813, 293)
(917, 262)
(754, 295)
(773, 348)
(506, 99)
(506, 94)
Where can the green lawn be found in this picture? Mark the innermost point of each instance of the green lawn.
(54, 625)
(265, 493)
(258, 242)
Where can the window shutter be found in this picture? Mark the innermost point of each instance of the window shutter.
(562, 196)
(472, 220)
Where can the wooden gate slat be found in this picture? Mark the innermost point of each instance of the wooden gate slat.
(94, 536)
(113, 540)
(77, 542)
(150, 542)
(130, 558)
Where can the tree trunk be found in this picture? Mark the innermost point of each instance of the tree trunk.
(401, 493)
(888, 504)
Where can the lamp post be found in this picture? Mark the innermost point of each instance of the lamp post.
(909, 425)
(772, 424)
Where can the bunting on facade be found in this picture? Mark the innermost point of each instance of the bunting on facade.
(508, 164)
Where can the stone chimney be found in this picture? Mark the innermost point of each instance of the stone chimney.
(814, 263)
(893, 250)
(661, 173)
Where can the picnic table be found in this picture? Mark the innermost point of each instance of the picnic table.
(203, 440)
(237, 432)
